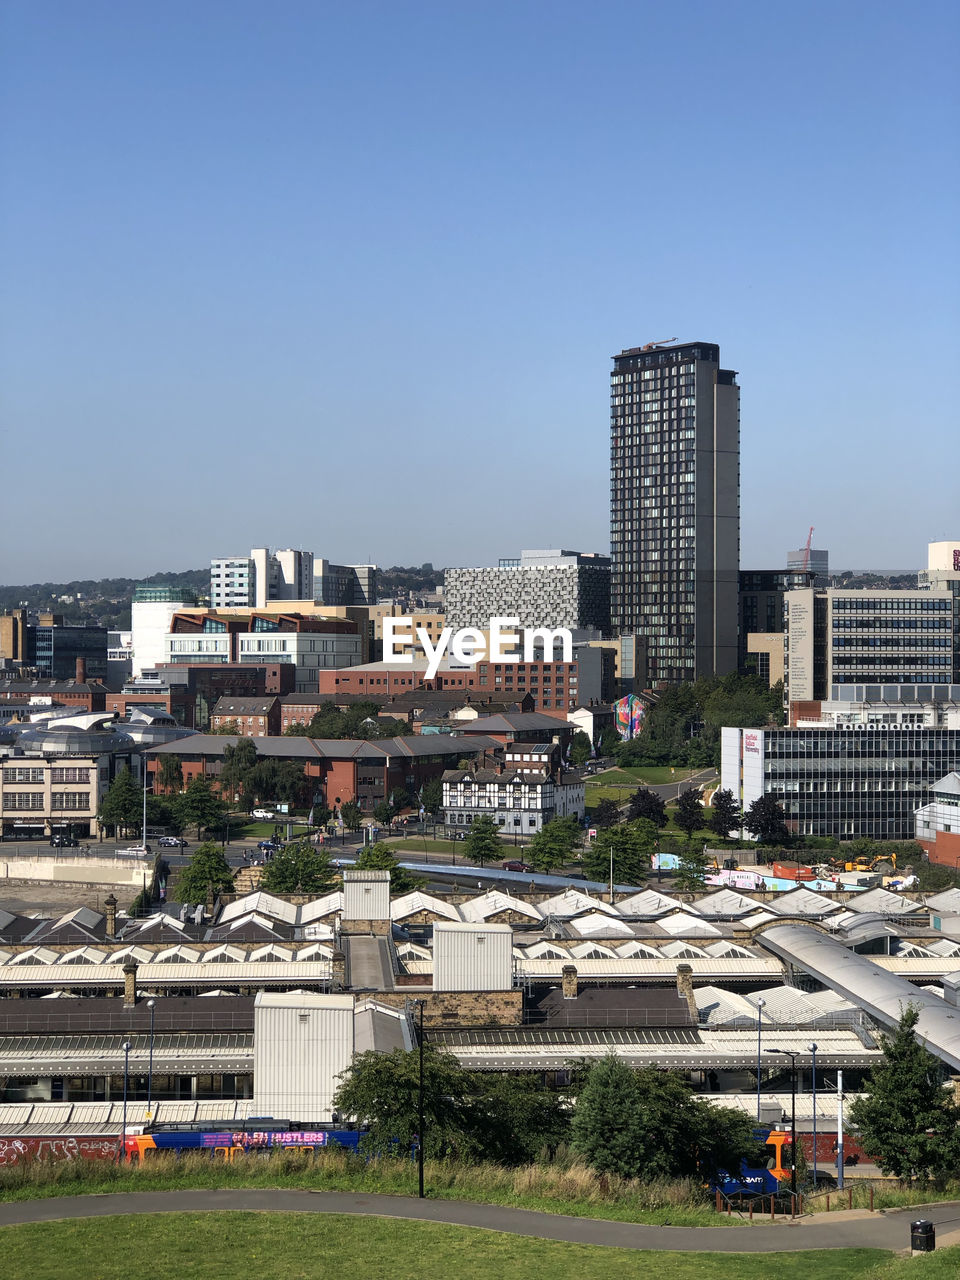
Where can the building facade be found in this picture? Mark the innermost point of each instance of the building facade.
(860, 780)
(937, 827)
(760, 605)
(151, 611)
(521, 796)
(675, 507)
(836, 638)
(541, 588)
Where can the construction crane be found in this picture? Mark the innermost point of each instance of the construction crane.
(806, 550)
(652, 346)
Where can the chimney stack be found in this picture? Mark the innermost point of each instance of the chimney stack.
(110, 907)
(685, 989)
(81, 671)
(568, 978)
(130, 985)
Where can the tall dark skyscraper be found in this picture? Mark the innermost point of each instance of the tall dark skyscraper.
(675, 507)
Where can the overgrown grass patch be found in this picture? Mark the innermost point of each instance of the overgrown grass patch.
(290, 1246)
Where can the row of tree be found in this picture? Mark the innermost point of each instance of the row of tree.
(764, 818)
(636, 1123)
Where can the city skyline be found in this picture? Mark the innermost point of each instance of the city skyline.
(285, 276)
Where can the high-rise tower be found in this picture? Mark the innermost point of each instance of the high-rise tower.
(675, 507)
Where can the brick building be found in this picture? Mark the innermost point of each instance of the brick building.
(252, 717)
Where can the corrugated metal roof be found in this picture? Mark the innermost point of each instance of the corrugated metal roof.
(641, 967)
(186, 975)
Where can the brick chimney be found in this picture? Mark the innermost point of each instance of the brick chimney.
(568, 978)
(110, 907)
(339, 971)
(130, 985)
(685, 989)
(81, 671)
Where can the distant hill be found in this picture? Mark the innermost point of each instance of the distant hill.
(103, 601)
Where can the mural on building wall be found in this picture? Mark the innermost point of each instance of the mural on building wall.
(630, 712)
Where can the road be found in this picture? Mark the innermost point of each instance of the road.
(858, 1229)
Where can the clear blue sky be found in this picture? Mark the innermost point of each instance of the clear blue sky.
(348, 276)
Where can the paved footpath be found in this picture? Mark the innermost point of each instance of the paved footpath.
(856, 1229)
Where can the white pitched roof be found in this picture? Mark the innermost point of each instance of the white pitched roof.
(489, 904)
(574, 903)
(320, 907)
(584, 949)
(635, 948)
(804, 902)
(410, 903)
(597, 923)
(726, 903)
(884, 903)
(651, 903)
(946, 903)
(682, 925)
(948, 785)
(680, 949)
(261, 902)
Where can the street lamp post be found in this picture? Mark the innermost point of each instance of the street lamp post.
(793, 1115)
(152, 1006)
(813, 1054)
(420, 1107)
(761, 1003)
(126, 1077)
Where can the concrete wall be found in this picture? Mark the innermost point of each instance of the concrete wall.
(91, 871)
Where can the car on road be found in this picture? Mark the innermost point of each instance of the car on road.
(263, 815)
(516, 865)
(172, 842)
(135, 851)
(59, 841)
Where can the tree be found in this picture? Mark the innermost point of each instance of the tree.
(581, 748)
(689, 814)
(273, 780)
(169, 776)
(351, 815)
(648, 1124)
(553, 844)
(645, 803)
(379, 1091)
(631, 847)
(377, 857)
(483, 840)
(431, 796)
(399, 799)
(606, 1128)
(238, 760)
(299, 867)
(227, 729)
(207, 871)
(907, 1120)
(383, 813)
(516, 1119)
(161, 876)
(765, 820)
(199, 807)
(724, 815)
(606, 814)
(122, 806)
(691, 870)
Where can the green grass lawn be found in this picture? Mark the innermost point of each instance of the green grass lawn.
(282, 1246)
(261, 830)
(416, 844)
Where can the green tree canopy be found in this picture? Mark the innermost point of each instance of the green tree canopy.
(199, 807)
(907, 1119)
(170, 773)
(238, 760)
(299, 867)
(351, 815)
(379, 1090)
(631, 846)
(383, 813)
(122, 806)
(431, 797)
(645, 803)
(724, 814)
(581, 748)
(765, 820)
(360, 720)
(691, 870)
(689, 814)
(647, 1124)
(483, 841)
(378, 857)
(606, 814)
(207, 870)
(553, 844)
(272, 780)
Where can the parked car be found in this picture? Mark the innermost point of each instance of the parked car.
(264, 815)
(515, 865)
(59, 841)
(172, 842)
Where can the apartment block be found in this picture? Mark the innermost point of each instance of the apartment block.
(675, 507)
